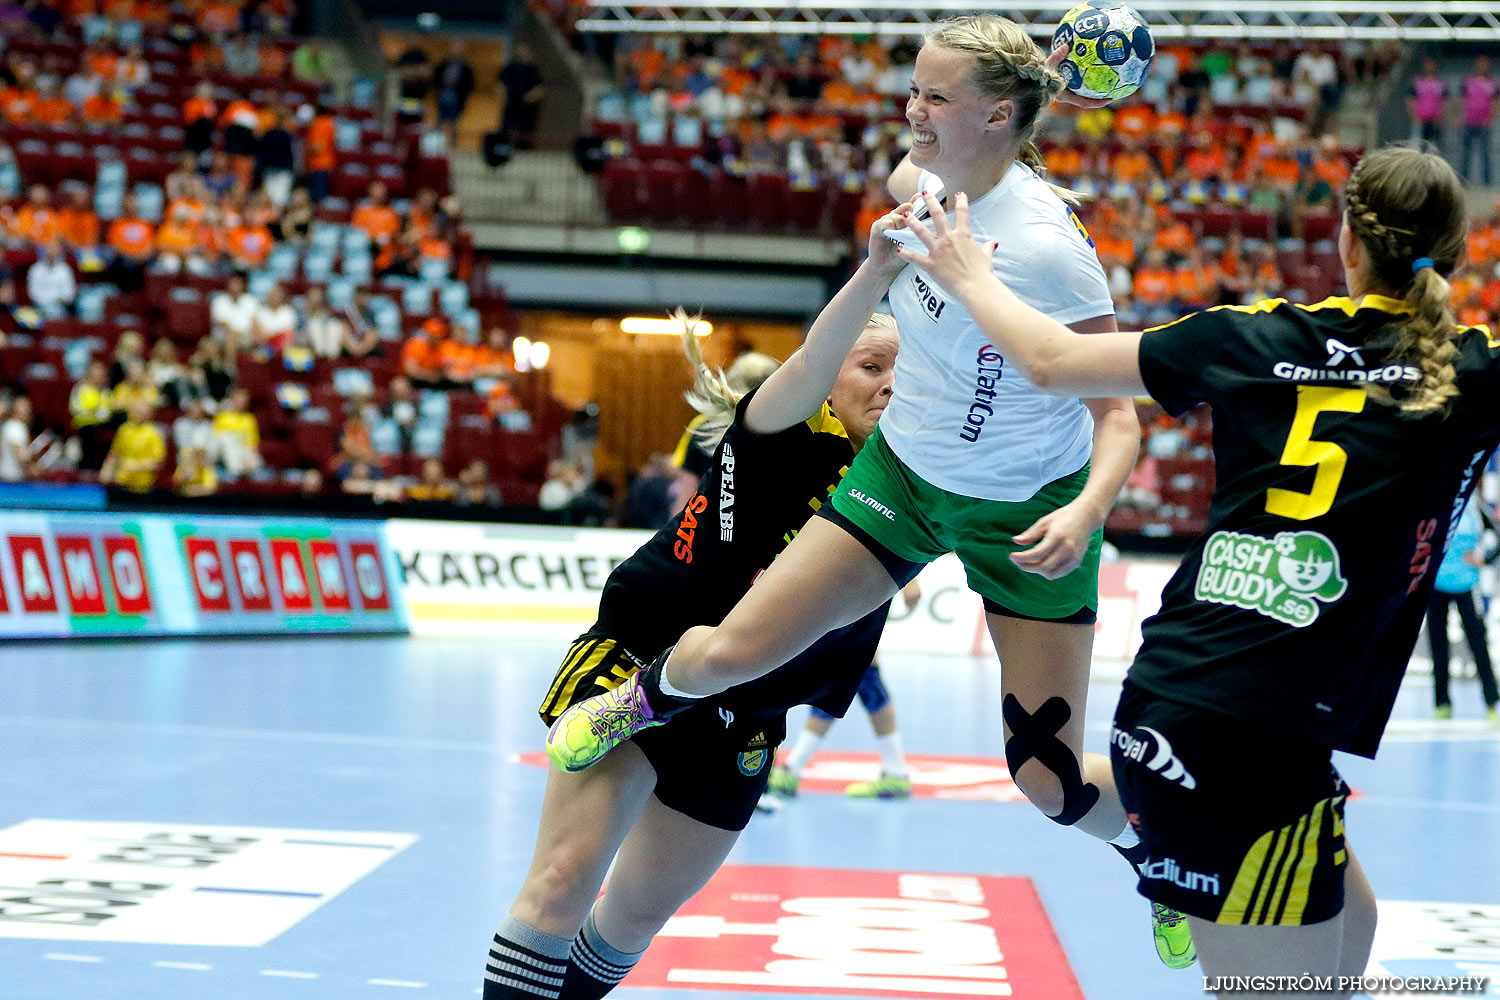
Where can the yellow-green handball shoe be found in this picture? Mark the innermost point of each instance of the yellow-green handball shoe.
(588, 730)
(1174, 941)
(1443, 713)
(1492, 714)
(783, 782)
(887, 786)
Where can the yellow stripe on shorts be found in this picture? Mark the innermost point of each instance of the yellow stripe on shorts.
(1275, 878)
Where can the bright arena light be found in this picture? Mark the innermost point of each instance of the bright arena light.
(645, 324)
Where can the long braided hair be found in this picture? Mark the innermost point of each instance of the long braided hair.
(1008, 66)
(1404, 205)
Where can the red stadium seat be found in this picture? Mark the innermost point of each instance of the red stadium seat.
(766, 201)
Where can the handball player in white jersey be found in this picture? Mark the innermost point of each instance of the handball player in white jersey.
(968, 458)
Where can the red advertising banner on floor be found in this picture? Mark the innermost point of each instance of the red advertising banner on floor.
(845, 932)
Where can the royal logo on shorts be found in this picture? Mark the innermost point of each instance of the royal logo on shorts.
(752, 762)
(1283, 578)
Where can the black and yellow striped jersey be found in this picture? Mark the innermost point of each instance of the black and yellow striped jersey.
(1300, 605)
(758, 492)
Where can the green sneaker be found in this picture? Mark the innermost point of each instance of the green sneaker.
(588, 730)
(1492, 714)
(1443, 712)
(1174, 941)
(783, 783)
(887, 786)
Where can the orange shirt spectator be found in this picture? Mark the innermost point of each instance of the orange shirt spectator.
(192, 206)
(1131, 165)
(79, 226)
(197, 107)
(734, 80)
(494, 358)
(432, 248)
(459, 360)
(1282, 170)
(319, 144)
(1113, 249)
(422, 354)
(1171, 121)
(16, 104)
(37, 223)
(102, 63)
(1203, 163)
(102, 110)
(1484, 245)
(241, 112)
(1475, 315)
(1135, 120)
(1154, 286)
(1065, 161)
(177, 236)
(53, 110)
(380, 222)
(249, 244)
(219, 17)
(1197, 286)
(131, 237)
(1175, 237)
(1334, 169)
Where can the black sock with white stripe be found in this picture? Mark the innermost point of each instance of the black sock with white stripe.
(594, 968)
(524, 963)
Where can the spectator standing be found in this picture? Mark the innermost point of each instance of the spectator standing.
(402, 411)
(199, 113)
(50, 282)
(453, 79)
(1456, 584)
(137, 452)
(1480, 91)
(320, 154)
(1427, 102)
(522, 91)
(89, 407)
(276, 159)
(16, 458)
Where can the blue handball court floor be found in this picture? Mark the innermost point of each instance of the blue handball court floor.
(350, 817)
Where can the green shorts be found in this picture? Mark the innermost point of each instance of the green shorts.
(884, 502)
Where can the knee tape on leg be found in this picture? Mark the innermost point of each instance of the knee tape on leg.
(1035, 735)
(872, 691)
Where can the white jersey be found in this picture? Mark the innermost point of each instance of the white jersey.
(960, 418)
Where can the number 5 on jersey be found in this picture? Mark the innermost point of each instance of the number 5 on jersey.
(1301, 449)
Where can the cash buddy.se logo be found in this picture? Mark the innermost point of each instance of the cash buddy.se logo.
(1283, 578)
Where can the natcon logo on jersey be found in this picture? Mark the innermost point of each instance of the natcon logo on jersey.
(991, 364)
(1282, 578)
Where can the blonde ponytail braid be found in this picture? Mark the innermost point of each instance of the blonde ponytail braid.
(1421, 192)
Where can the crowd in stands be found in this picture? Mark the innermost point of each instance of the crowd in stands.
(217, 276)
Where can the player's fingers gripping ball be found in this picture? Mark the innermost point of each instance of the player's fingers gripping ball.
(1109, 49)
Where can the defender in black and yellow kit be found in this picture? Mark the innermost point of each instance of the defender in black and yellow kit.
(661, 816)
(1348, 436)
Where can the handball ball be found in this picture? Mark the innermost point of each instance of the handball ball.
(1109, 49)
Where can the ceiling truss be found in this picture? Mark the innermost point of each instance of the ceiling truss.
(1405, 20)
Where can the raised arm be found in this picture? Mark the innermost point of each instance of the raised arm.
(796, 389)
(1052, 357)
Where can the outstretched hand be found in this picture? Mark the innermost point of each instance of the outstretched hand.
(1066, 96)
(882, 250)
(952, 256)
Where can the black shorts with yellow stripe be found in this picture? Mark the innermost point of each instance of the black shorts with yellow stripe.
(1244, 825)
(712, 763)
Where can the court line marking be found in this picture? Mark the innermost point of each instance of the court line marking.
(268, 735)
(191, 966)
(287, 974)
(58, 956)
(396, 982)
